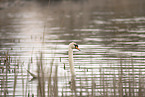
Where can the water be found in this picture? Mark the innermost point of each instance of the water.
(110, 35)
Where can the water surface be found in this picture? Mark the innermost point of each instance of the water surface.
(110, 35)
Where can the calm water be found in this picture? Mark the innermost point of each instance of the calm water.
(110, 34)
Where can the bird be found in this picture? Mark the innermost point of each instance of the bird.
(72, 46)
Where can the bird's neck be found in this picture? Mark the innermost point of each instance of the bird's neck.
(71, 64)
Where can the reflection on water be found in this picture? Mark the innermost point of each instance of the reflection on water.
(110, 35)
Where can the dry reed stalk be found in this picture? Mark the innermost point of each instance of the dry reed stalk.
(103, 82)
(92, 86)
(114, 85)
(81, 87)
(141, 88)
(100, 82)
(133, 82)
(49, 78)
(27, 79)
(2, 84)
(40, 73)
(15, 82)
(120, 80)
(55, 85)
(6, 78)
(22, 79)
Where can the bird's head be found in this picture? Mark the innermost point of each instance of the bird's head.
(74, 45)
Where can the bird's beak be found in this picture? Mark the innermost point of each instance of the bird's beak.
(78, 48)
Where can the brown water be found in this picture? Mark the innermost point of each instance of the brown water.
(110, 35)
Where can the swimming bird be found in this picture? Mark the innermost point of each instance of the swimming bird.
(61, 72)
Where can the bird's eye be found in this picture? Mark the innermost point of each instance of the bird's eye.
(76, 46)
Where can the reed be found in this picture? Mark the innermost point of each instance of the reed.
(6, 69)
(55, 84)
(127, 83)
(27, 80)
(120, 84)
(106, 88)
(7, 65)
(52, 86)
(15, 82)
(22, 80)
(141, 88)
(40, 73)
(49, 79)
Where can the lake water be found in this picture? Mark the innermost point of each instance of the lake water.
(36, 34)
